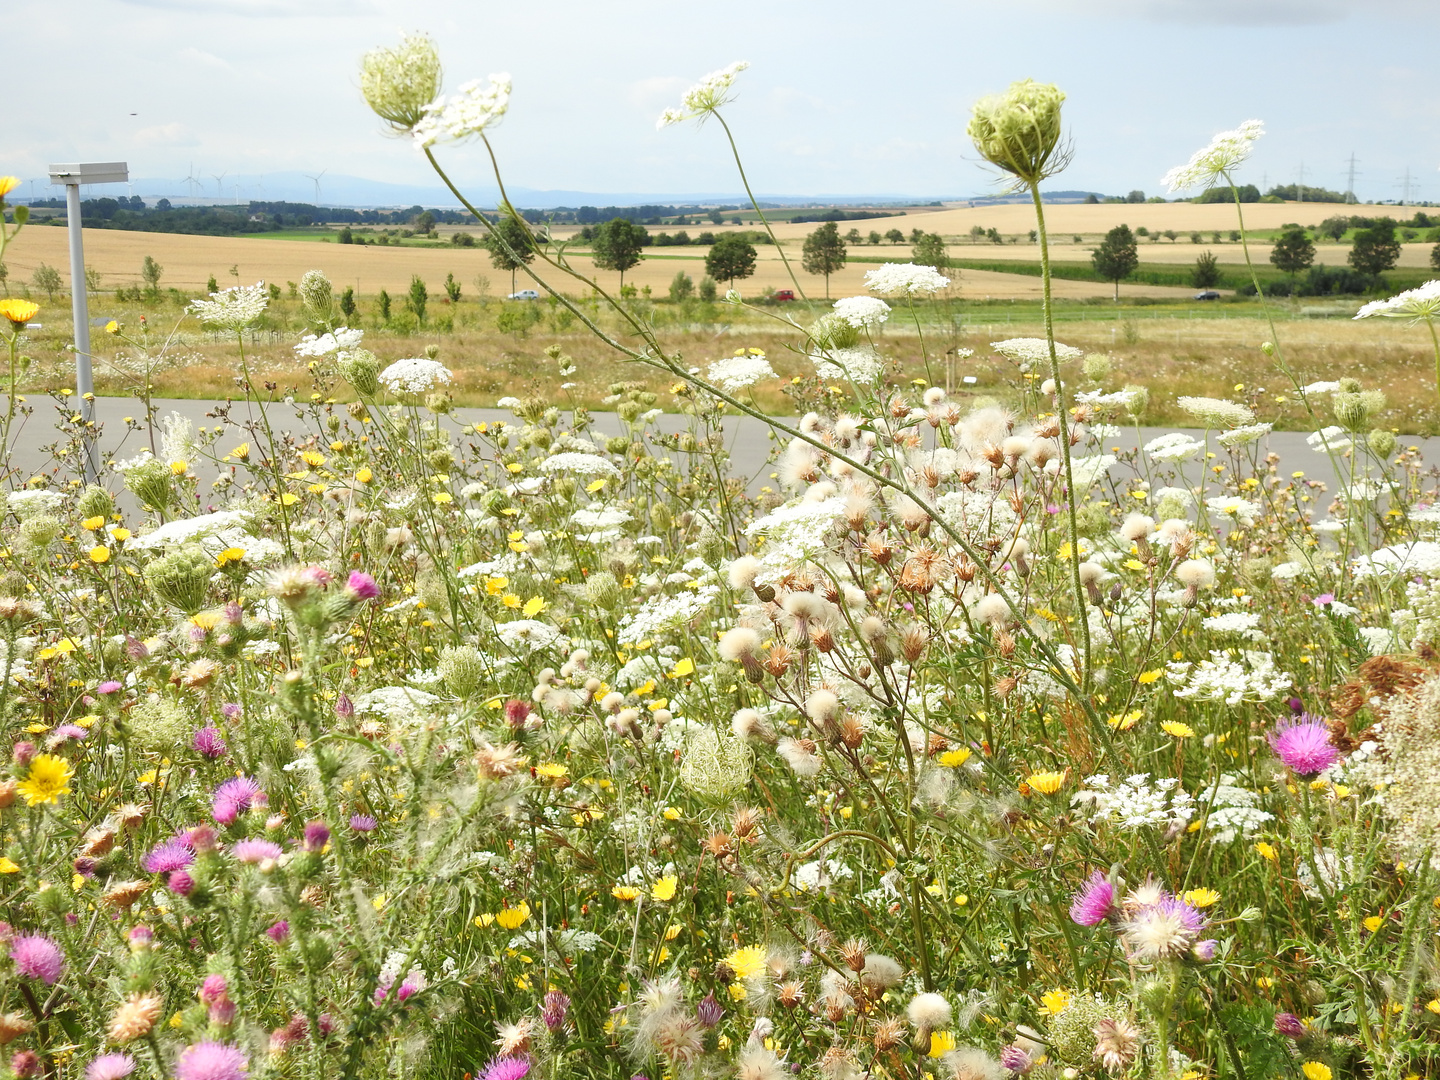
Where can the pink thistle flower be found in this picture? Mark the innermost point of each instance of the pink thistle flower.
(168, 856)
(1304, 745)
(506, 1068)
(362, 586)
(1290, 1025)
(557, 1004)
(213, 989)
(1016, 1059)
(279, 932)
(256, 851)
(25, 1064)
(344, 707)
(235, 797)
(209, 743)
(317, 835)
(37, 957)
(180, 883)
(363, 823)
(211, 1060)
(1094, 902)
(110, 686)
(110, 1067)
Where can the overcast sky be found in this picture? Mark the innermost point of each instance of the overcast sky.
(842, 97)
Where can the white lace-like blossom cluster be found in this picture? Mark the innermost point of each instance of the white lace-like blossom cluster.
(527, 634)
(1243, 511)
(1415, 557)
(861, 364)
(795, 534)
(414, 376)
(1030, 353)
(339, 341)
(1173, 446)
(1225, 152)
(705, 96)
(1416, 304)
(233, 309)
(1244, 623)
(1243, 435)
(734, 373)
(579, 465)
(662, 613)
(476, 106)
(1234, 811)
(905, 279)
(1332, 438)
(1223, 679)
(1216, 412)
(1136, 801)
(862, 312)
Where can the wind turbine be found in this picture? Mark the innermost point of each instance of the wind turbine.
(192, 180)
(219, 180)
(316, 179)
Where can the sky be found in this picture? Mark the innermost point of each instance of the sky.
(843, 97)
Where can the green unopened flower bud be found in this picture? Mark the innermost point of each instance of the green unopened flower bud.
(462, 669)
(151, 483)
(1139, 399)
(833, 332)
(38, 532)
(1096, 367)
(318, 296)
(660, 516)
(361, 369)
(1268, 348)
(1251, 914)
(439, 402)
(1382, 442)
(629, 411)
(532, 410)
(495, 502)
(617, 444)
(398, 83)
(94, 501)
(1348, 385)
(432, 351)
(563, 486)
(1019, 131)
(157, 725)
(441, 461)
(181, 578)
(1353, 410)
(602, 590)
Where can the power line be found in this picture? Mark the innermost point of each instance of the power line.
(1350, 181)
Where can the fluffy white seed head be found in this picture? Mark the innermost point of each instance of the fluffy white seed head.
(822, 705)
(748, 724)
(934, 396)
(1016, 446)
(1091, 573)
(805, 605)
(882, 970)
(738, 642)
(992, 610)
(742, 571)
(1195, 574)
(800, 758)
(1136, 527)
(928, 1010)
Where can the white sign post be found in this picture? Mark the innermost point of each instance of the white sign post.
(72, 176)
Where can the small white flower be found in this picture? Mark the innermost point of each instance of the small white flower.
(232, 309)
(579, 465)
(1242, 436)
(705, 96)
(1331, 438)
(905, 279)
(861, 364)
(1210, 164)
(342, 340)
(414, 376)
(475, 107)
(1216, 412)
(734, 373)
(1414, 304)
(1320, 388)
(1173, 446)
(1029, 353)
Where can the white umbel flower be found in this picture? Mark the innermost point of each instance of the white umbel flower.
(1414, 304)
(905, 279)
(735, 373)
(1222, 156)
(233, 309)
(705, 96)
(414, 376)
(468, 113)
(861, 364)
(862, 312)
(342, 340)
(1216, 412)
(1030, 352)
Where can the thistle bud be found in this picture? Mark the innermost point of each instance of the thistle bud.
(1019, 131)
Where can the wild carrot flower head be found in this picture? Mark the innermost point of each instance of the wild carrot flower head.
(37, 957)
(478, 105)
(1414, 304)
(704, 97)
(232, 309)
(1303, 744)
(1094, 902)
(399, 83)
(211, 1061)
(1019, 131)
(1215, 162)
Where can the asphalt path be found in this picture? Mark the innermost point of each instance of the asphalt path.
(749, 441)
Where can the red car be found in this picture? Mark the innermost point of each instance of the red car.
(784, 294)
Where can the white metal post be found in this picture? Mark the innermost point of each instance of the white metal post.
(80, 312)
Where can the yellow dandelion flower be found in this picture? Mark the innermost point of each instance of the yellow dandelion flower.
(510, 600)
(1125, 721)
(534, 606)
(1054, 1002)
(625, 893)
(1145, 678)
(664, 889)
(93, 524)
(313, 458)
(120, 534)
(1315, 1070)
(1433, 1004)
(1177, 729)
(941, 1043)
(1373, 923)
(551, 770)
(595, 485)
(494, 586)
(8, 867)
(19, 312)
(48, 779)
(1266, 851)
(99, 554)
(748, 962)
(682, 668)
(511, 918)
(8, 184)
(953, 759)
(112, 327)
(1047, 783)
(1200, 898)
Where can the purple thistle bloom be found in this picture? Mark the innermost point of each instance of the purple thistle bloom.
(1187, 916)
(1304, 745)
(141, 938)
(256, 851)
(1094, 902)
(37, 957)
(1016, 1059)
(209, 743)
(1290, 1025)
(25, 1064)
(1204, 951)
(317, 835)
(180, 883)
(110, 686)
(362, 586)
(168, 856)
(110, 1067)
(231, 710)
(213, 989)
(709, 1012)
(344, 707)
(363, 823)
(69, 731)
(506, 1068)
(235, 797)
(279, 932)
(557, 1005)
(211, 1061)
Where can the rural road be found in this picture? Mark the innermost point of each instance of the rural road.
(748, 440)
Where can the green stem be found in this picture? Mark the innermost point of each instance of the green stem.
(740, 165)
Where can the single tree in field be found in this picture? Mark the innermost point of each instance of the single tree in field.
(824, 252)
(347, 303)
(874, 237)
(47, 279)
(895, 236)
(854, 237)
(384, 301)
(929, 250)
(617, 245)
(1206, 274)
(1171, 234)
(1434, 259)
(1335, 228)
(1116, 258)
(150, 272)
(1376, 249)
(417, 298)
(92, 279)
(732, 257)
(511, 245)
(452, 288)
(1293, 251)
(682, 287)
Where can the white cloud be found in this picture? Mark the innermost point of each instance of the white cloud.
(170, 135)
(200, 56)
(656, 92)
(265, 9)
(1237, 12)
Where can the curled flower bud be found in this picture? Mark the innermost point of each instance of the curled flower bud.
(1019, 131)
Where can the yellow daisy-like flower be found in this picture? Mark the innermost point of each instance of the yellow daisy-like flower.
(1266, 851)
(1047, 783)
(1054, 1002)
(748, 962)
(93, 524)
(664, 889)
(7, 866)
(534, 606)
(99, 554)
(364, 475)
(112, 327)
(1145, 678)
(511, 918)
(953, 759)
(1177, 729)
(1373, 923)
(1315, 1070)
(313, 458)
(625, 893)
(48, 779)
(8, 184)
(1200, 898)
(18, 311)
(551, 770)
(941, 1043)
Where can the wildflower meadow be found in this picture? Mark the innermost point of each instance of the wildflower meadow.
(967, 749)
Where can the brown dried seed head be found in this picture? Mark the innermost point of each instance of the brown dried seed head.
(130, 815)
(851, 732)
(822, 638)
(122, 894)
(135, 1018)
(98, 841)
(1005, 643)
(888, 1034)
(745, 822)
(790, 994)
(13, 1025)
(852, 954)
(718, 845)
(913, 641)
(777, 660)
